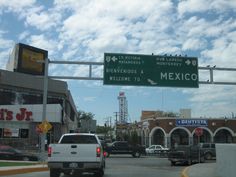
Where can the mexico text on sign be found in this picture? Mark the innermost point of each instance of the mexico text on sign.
(150, 70)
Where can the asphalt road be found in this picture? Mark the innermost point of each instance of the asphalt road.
(127, 166)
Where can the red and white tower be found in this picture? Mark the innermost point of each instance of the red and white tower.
(123, 108)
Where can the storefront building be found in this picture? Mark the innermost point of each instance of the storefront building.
(21, 98)
(169, 131)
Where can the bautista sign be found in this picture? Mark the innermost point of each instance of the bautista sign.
(192, 122)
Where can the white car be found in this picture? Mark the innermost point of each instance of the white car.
(154, 149)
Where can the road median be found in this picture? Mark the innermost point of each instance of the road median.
(4, 171)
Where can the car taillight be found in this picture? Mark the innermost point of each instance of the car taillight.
(49, 151)
(98, 150)
(104, 154)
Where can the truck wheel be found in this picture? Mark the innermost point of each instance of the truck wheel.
(99, 173)
(107, 154)
(67, 172)
(25, 159)
(54, 172)
(136, 154)
(189, 162)
(76, 173)
(208, 156)
(202, 159)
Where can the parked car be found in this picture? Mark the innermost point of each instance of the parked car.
(156, 149)
(10, 153)
(186, 154)
(123, 147)
(209, 150)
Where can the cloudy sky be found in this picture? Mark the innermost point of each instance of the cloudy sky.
(83, 30)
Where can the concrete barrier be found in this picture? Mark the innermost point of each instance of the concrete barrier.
(226, 160)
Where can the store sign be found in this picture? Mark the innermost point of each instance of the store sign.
(191, 122)
(21, 115)
(30, 113)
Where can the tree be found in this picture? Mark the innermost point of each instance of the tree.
(85, 115)
(134, 138)
(102, 130)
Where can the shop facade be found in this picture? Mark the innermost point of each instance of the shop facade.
(21, 109)
(176, 131)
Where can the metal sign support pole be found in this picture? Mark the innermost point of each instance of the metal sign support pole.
(45, 92)
(199, 151)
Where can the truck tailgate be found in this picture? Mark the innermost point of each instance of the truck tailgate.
(73, 153)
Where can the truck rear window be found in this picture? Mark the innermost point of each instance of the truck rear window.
(78, 139)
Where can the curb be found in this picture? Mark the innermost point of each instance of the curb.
(184, 172)
(22, 170)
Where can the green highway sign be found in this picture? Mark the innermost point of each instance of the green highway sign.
(150, 70)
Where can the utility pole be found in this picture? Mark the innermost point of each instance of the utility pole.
(116, 115)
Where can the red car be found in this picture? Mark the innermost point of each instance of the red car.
(10, 153)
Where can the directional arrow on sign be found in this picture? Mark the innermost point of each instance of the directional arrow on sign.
(188, 62)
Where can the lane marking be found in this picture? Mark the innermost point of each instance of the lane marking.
(184, 172)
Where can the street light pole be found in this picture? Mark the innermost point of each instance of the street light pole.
(45, 92)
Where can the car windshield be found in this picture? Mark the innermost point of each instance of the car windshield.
(78, 139)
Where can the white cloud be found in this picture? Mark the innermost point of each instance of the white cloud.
(23, 35)
(15, 5)
(41, 41)
(6, 47)
(89, 99)
(43, 20)
(223, 52)
(194, 44)
(216, 6)
(212, 100)
(192, 6)
(101, 27)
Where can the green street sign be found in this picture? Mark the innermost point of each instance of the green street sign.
(150, 70)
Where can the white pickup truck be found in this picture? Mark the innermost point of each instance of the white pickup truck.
(76, 153)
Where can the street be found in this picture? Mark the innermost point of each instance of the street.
(127, 166)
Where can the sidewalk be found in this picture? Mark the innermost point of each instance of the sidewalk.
(22, 169)
(200, 170)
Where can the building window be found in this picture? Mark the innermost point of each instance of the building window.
(24, 133)
(10, 133)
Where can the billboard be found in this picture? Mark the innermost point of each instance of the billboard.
(27, 59)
